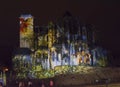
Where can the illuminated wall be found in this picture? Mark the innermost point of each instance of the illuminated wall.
(26, 31)
(65, 44)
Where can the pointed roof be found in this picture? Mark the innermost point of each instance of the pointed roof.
(67, 14)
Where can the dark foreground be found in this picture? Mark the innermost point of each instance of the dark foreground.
(102, 85)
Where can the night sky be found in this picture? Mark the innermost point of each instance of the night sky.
(103, 14)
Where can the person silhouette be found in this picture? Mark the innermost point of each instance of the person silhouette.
(51, 83)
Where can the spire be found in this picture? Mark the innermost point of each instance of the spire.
(67, 14)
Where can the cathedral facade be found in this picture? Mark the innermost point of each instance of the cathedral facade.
(66, 42)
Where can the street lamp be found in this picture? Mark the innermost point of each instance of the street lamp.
(5, 69)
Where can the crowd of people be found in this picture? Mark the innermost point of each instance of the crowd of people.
(31, 83)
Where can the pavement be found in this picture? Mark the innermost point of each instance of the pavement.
(101, 85)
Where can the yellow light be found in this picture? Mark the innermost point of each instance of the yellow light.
(53, 49)
(6, 69)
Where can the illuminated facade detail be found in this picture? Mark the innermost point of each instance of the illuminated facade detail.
(26, 31)
(66, 43)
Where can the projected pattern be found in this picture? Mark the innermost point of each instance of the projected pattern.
(26, 31)
(56, 48)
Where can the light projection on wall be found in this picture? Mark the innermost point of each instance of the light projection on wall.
(26, 31)
(56, 49)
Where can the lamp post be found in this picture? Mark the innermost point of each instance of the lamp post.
(4, 75)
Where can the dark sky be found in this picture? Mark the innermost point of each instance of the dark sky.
(104, 14)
